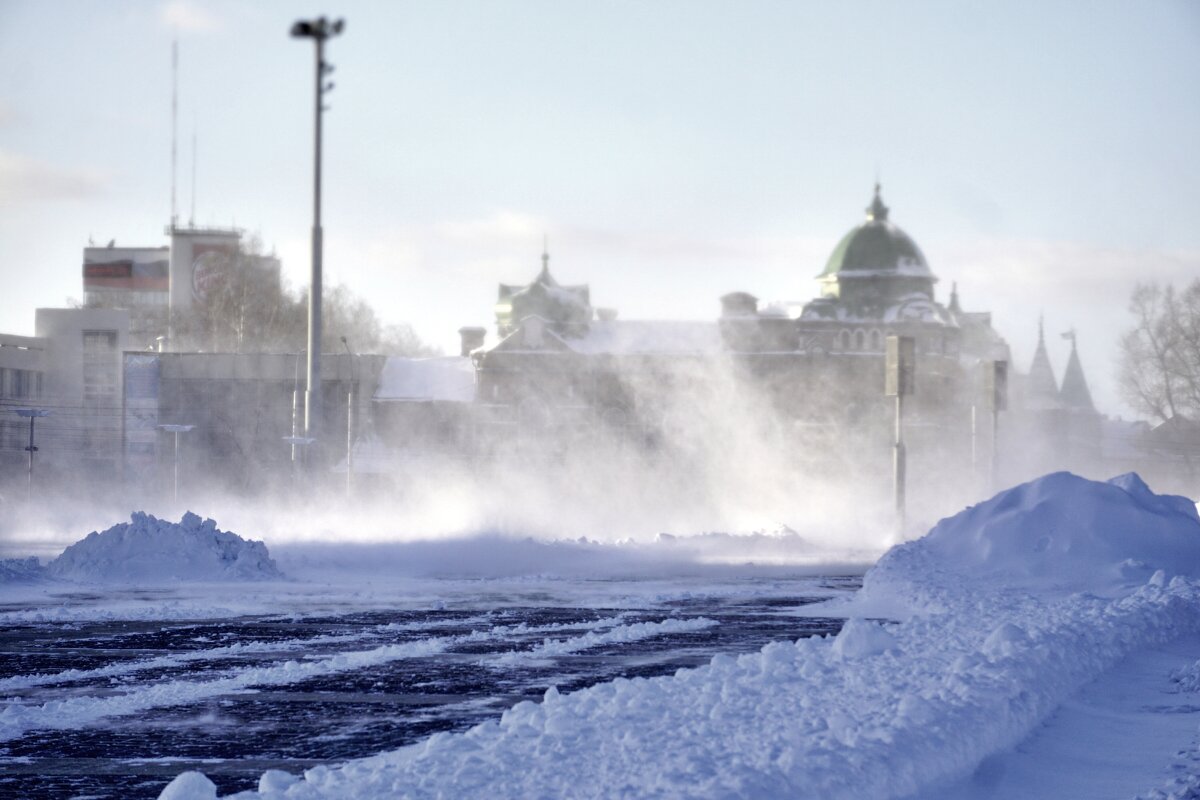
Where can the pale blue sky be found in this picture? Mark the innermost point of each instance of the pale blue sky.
(1044, 155)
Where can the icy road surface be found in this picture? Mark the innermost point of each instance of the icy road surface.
(112, 694)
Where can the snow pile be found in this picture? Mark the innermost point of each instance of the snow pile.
(1187, 679)
(1057, 534)
(1011, 607)
(190, 786)
(148, 549)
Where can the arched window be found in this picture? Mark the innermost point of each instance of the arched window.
(859, 339)
(876, 341)
(843, 341)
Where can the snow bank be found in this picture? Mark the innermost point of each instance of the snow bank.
(1058, 534)
(1004, 623)
(149, 550)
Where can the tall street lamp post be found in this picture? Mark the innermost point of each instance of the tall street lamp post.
(318, 30)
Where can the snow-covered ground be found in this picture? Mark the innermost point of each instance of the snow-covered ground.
(1045, 643)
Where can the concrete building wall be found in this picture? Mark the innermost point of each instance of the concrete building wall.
(241, 406)
(196, 254)
(82, 389)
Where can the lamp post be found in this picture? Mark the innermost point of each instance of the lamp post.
(299, 446)
(900, 363)
(176, 429)
(32, 414)
(318, 30)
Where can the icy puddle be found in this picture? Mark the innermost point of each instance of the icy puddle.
(116, 709)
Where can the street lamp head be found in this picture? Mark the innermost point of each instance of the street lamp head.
(319, 28)
(31, 412)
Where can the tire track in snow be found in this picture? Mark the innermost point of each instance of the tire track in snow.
(16, 718)
(238, 648)
(161, 662)
(621, 634)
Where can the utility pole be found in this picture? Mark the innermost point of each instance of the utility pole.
(299, 445)
(900, 372)
(176, 429)
(318, 30)
(32, 414)
(995, 386)
(350, 398)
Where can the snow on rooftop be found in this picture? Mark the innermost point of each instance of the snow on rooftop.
(914, 307)
(636, 337)
(1008, 608)
(446, 378)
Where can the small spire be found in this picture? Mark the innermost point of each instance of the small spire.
(1074, 393)
(955, 308)
(1043, 388)
(877, 211)
(544, 277)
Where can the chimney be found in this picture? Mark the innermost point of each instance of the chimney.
(472, 339)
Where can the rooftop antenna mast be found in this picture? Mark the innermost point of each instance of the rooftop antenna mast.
(174, 121)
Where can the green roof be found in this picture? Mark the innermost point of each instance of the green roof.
(877, 246)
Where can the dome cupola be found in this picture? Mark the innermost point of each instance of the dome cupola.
(876, 261)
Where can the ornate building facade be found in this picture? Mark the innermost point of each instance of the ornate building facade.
(562, 369)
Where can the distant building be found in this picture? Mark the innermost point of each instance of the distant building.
(242, 406)
(154, 283)
(562, 368)
(22, 383)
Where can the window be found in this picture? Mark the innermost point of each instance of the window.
(859, 340)
(876, 341)
(843, 341)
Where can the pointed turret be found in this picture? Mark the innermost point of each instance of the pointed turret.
(1074, 393)
(1043, 388)
(567, 308)
(954, 307)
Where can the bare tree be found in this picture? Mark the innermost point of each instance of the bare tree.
(345, 314)
(250, 308)
(1160, 355)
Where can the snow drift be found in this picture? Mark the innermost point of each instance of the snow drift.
(1058, 534)
(1011, 606)
(150, 550)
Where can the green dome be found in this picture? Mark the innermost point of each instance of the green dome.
(877, 248)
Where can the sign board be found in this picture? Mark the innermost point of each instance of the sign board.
(900, 366)
(140, 269)
(995, 384)
(111, 269)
